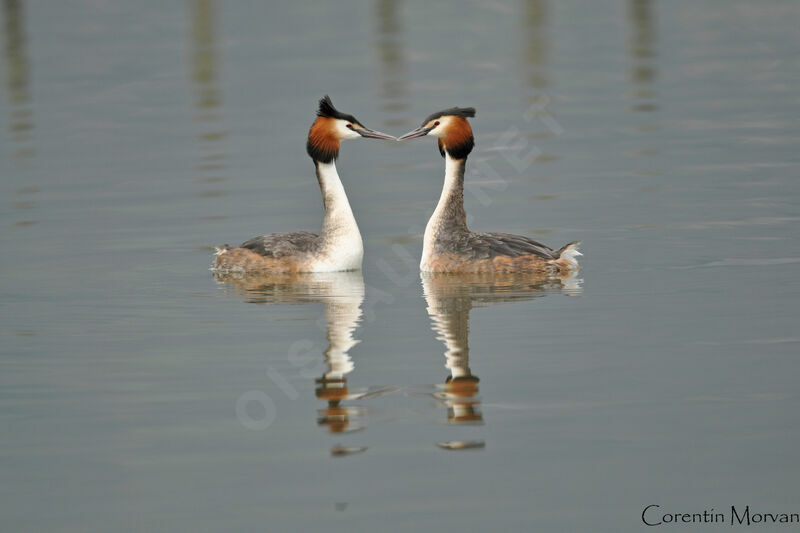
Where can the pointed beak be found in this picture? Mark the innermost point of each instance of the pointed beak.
(372, 134)
(419, 132)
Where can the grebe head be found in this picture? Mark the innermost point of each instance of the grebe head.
(451, 128)
(331, 127)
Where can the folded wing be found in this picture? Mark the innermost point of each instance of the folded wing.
(489, 245)
(279, 245)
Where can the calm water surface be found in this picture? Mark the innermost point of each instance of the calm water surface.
(140, 393)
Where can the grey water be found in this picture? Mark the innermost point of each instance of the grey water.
(140, 393)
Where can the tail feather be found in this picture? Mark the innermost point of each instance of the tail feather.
(568, 255)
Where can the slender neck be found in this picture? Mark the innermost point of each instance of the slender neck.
(338, 214)
(449, 213)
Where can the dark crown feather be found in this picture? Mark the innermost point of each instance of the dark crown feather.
(327, 110)
(466, 112)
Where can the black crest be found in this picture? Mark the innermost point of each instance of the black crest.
(327, 109)
(466, 112)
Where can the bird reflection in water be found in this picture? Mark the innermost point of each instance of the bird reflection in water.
(342, 294)
(450, 299)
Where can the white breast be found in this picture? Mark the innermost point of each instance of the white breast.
(428, 242)
(343, 248)
(346, 252)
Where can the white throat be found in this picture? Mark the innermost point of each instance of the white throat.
(450, 187)
(343, 248)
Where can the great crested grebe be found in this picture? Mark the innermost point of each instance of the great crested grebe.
(338, 246)
(449, 246)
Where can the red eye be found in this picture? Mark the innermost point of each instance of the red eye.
(436, 123)
(350, 126)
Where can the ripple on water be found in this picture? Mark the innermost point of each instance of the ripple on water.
(456, 445)
(761, 261)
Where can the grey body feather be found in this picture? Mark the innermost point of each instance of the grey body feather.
(489, 245)
(279, 245)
